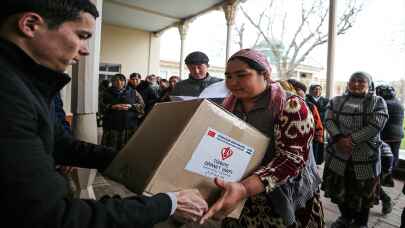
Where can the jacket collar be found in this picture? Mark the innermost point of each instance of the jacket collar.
(207, 78)
(48, 81)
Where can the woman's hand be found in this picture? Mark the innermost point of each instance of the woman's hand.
(233, 193)
(121, 107)
(345, 144)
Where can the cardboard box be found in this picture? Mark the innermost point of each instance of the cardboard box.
(184, 145)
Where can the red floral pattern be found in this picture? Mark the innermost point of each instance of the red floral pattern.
(294, 131)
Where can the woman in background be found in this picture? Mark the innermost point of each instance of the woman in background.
(352, 165)
(123, 107)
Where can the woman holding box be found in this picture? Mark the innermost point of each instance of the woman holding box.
(284, 191)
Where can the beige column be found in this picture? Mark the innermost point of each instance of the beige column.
(183, 28)
(330, 72)
(230, 13)
(85, 104)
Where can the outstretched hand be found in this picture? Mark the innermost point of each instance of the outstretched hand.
(190, 206)
(233, 193)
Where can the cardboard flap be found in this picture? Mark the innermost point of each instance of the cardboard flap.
(136, 163)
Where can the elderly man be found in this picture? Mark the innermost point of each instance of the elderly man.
(39, 39)
(199, 78)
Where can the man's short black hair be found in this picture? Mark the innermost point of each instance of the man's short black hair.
(135, 75)
(55, 12)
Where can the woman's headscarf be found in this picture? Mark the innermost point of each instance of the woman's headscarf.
(255, 56)
(366, 76)
(277, 94)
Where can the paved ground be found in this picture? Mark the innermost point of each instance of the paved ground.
(103, 186)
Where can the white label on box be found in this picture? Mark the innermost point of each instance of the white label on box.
(218, 155)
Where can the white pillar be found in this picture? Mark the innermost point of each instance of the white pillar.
(230, 12)
(85, 104)
(183, 27)
(330, 73)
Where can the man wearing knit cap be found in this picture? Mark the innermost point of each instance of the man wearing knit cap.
(199, 78)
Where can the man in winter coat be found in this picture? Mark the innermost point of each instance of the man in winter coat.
(199, 78)
(39, 39)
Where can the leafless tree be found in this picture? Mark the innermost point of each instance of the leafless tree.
(290, 44)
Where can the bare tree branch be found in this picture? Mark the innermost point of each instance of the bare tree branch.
(305, 37)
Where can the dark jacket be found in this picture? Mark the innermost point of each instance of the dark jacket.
(321, 105)
(393, 130)
(59, 113)
(32, 193)
(149, 94)
(120, 119)
(193, 87)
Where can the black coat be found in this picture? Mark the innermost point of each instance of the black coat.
(32, 193)
(120, 119)
(393, 130)
(321, 105)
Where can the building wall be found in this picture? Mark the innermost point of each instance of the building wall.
(135, 50)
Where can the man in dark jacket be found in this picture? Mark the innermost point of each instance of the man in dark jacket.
(315, 97)
(320, 102)
(393, 131)
(39, 39)
(199, 78)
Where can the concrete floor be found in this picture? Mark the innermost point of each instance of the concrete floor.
(103, 186)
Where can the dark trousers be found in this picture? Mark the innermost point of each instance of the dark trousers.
(403, 219)
(318, 149)
(360, 218)
(395, 151)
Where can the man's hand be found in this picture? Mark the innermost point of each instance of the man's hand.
(190, 206)
(233, 193)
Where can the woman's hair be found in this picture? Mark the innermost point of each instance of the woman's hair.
(297, 84)
(116, 77)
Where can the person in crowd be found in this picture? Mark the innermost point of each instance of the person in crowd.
(36, 47)
(392, 135)
(123, 107)
(351, 175)
(149, 89)
(134, 80)
(165, 96)
(163, 86)
(315, 97)
(283, 192)
(199, 78)
(301, 89)
(104, 85)
(386, 179)
(173, 80)
(393, 131)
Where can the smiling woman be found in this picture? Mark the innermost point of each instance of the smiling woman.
(288, 177)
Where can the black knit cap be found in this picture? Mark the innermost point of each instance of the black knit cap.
(196, 57)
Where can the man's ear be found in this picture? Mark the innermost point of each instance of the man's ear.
(29, 23)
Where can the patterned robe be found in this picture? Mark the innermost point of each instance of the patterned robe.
(290, 179)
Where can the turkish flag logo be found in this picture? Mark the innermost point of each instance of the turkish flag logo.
(226, 153)
(212, 133)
